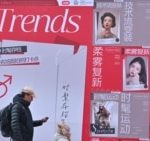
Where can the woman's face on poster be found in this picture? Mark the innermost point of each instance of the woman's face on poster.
(107, 23)
(135, 69)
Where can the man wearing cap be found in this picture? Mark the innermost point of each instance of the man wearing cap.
(22, 124)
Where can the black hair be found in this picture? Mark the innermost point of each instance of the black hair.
(142, 74)
(108, 14)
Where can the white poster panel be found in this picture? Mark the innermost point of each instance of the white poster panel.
(75, 2)
(35, 65)
(70, 94)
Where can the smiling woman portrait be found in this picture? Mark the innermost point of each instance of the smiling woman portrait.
(137, 72)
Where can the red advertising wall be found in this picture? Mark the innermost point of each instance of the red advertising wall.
(115, 104)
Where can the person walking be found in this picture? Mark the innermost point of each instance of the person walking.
(22, 124)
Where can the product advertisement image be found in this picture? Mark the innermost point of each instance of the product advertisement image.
(74, 70)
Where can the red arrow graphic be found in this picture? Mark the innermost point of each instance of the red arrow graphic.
(4, 86)
(9, 79)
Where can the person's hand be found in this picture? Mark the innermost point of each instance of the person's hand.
(45, 119)
(134, 80)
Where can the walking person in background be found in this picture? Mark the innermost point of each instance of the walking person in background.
(63, 132)
(22, 124)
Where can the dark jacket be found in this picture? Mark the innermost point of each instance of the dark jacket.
(22, 123)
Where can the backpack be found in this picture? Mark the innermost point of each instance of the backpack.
(5, 120)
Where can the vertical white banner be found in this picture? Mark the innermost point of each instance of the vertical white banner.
(70, 92)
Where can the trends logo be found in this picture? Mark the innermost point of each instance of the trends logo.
(58, 23)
